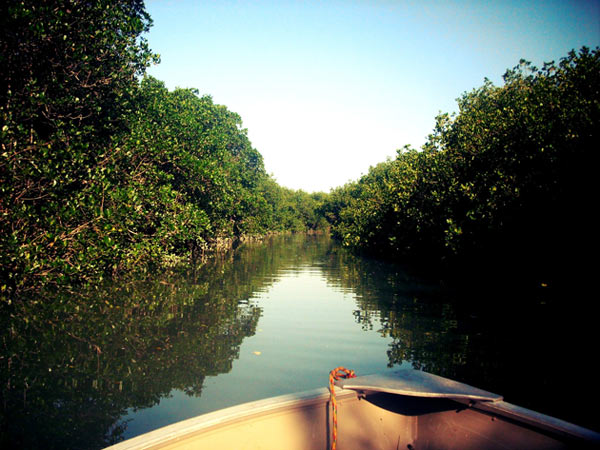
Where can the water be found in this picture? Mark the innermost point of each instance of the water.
(306, 328)
(86, 369)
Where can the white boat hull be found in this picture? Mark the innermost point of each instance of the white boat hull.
(369, 420)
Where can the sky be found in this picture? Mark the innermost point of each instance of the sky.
(327, 89)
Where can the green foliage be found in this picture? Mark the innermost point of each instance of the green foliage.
(105, 172)
(507, 179)
(290, 210)
(67, 84)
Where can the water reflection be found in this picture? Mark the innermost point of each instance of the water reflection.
(530, 343)
(71, 367)
(306, 328)
(83, 370)
(87, 369)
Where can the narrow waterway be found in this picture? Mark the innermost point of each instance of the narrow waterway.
(306, 325)
(86, 369)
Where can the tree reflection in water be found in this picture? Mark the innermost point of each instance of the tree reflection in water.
(529, 342)
(73, 364)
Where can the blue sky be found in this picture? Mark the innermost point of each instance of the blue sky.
(327, 89)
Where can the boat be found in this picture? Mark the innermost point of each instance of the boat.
(402, 409)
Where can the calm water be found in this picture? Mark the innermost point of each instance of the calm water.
(91, 368)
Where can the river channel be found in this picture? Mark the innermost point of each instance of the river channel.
(86, 369)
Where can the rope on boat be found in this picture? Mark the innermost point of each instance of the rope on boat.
(336, 374)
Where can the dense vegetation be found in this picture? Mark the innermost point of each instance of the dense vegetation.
(505, 184)
(103, 171)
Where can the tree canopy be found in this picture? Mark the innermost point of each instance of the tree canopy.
(103, 171)
(508, 180)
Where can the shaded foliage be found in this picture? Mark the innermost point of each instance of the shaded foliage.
(505, 184)
(511, 338)
(104, 171)
(68, 83)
